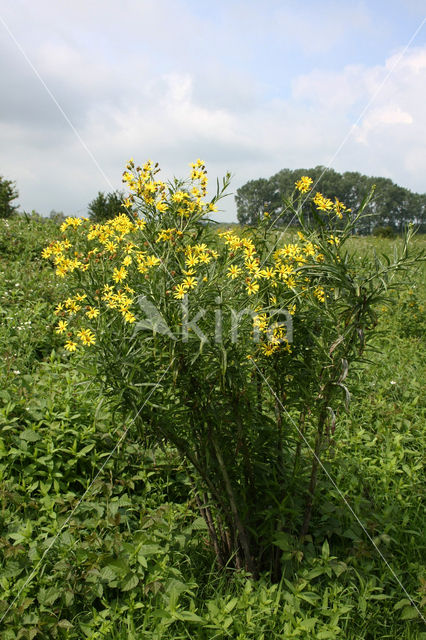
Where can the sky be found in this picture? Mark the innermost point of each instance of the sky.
(249, 87)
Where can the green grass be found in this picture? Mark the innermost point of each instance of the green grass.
(132, 558)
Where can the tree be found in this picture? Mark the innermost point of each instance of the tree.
(253, 199)
(106, 206)
(8, 193)
(57, 216)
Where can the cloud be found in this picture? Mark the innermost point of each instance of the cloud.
(176, 81)
(385, 116)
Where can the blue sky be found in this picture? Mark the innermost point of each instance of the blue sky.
(250, 87)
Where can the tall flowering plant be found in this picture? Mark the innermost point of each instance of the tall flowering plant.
(232, 346)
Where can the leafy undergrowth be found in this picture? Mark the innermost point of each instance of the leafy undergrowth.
(100, 538)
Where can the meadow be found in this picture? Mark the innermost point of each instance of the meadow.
(106, 541)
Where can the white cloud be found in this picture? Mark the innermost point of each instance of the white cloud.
(382, 117)
(165, 82)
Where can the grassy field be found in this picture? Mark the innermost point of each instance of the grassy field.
(100, 541)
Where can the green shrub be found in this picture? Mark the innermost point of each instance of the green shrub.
(385, 231)
(250, 411)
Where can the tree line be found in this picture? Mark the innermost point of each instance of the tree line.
(392, 206)
(100, 209)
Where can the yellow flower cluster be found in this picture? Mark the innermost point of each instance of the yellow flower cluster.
(286, 261)
(340, 208)
(119, 300)
(120, 251)
(334, 240)
(274, 337)
(196, 257)
(322, 203)
(304, 184)
(56, 251)
(327, 205)
(72, 222)
(168, 235)
(70, 307)
(198, 172)
(143, 185)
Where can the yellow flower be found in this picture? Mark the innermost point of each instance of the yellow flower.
(86, 336)
(72, 306)
(126, 261)
(46, 253)
(252, 287)
(152, 261)
(334, 240)
(233, 271)
(70, 222)
(111, 246)
(249, 251)
(59, 308)
(92, 313)
(62, 326)
(161, 207)
(269, 349)
(204, 257)
(261, 321)
(119, 274)
(61, 271)
(322, 203)
(190, 282)
(252, 264)
(339, 208)
(128, 316)
(304, 184)
(267, 273)
(178, 196)
(319, 293)
(191, 261)
(180, 291)
(70, 345)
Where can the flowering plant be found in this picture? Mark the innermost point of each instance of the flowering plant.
(232, 346)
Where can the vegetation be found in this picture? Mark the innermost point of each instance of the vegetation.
(105, 206)
(8, 194)
(102, 534)
(392, 205)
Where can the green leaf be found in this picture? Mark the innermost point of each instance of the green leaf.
(409, 613)
(47, 597)
(188, 616)
(230, 605)
(130, 582)
(325, 551)
(30, 436)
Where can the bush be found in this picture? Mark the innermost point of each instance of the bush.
(234, 349)
(106, 206)
(385, 231)
(8, 194)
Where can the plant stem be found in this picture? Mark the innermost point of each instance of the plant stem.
(314, 471)
(242, 533)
